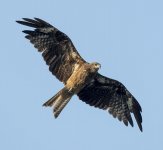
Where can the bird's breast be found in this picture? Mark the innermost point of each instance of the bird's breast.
(79, 78)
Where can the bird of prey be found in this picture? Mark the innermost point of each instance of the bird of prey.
(78, 76)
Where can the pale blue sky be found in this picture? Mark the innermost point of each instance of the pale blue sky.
(126, 37)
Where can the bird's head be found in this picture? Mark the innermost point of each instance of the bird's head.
(95, 66)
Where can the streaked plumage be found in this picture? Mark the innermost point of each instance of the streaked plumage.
(79, 77)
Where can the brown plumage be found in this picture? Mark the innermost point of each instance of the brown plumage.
(79, 77)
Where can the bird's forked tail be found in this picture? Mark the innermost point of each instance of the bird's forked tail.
(59, 101)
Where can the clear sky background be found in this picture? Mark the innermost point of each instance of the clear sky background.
(126, 37)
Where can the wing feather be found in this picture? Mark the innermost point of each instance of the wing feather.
(56, 47)
(111, 95)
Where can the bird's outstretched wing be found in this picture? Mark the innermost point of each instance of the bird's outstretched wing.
(111, 95)
(57, 49)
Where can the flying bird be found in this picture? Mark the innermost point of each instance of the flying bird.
(78, 76)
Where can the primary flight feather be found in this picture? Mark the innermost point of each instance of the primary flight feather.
(79, 77)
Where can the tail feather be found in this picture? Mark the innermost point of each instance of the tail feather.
(50, 101)
(57, 109)
(59, 101)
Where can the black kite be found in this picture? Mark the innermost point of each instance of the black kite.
(79, 77)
